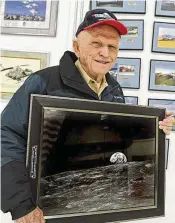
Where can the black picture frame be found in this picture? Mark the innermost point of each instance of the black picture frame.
(166, 10)
(134, 40)
(100, 111)
(165, 31)
(128, 80)
(128, 7)
(152, 75)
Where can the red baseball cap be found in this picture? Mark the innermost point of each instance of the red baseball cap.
(101, 17)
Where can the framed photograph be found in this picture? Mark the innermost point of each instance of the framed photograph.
(163, 103)
(132, 100)
(127, 72)
(29, 17)
(121, 6)
(163, 37)
(167, 153)
(162, 75)
(165, 8)
(94, 161)
(16, 66)
(134, 40)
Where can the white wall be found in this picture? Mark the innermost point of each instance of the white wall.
(70, 14)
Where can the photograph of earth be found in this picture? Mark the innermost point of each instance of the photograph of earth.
(101, 163)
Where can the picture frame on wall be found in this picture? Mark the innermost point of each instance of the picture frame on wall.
(168, 104)
(127, 72)
(167, 145)
(82, 181)
(134, 40)
(28, 17)
(161, 77)
(163, 37)
(165, 8)
(16, 66)
(132, 100)
(121, 6)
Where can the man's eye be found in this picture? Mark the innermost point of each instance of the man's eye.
(113, 48)
(96, 44)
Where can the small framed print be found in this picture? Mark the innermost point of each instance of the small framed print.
(134, 40)
(165, 8)
(167, 144)
(163, 37)
(95, 161)
(16, 66)
(163, 103)
(29, 17)
(162, 75)
(132, 100)
(127, 72)
(121, 6)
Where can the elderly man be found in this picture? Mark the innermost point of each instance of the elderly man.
(82, 74)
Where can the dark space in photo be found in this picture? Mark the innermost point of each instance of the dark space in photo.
(94, 162)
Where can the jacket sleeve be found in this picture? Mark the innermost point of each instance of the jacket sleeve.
(16, 196)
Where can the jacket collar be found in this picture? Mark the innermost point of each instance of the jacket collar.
(72, 77)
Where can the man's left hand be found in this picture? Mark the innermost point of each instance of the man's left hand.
(167, 124)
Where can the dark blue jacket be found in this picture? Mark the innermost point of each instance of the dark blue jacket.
(63, 80)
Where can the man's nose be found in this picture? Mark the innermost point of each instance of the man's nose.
(104, 51)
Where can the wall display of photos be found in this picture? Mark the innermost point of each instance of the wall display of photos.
(163, 103)
(16, 66)
(134, 40)
(163, 37)
(167, 145)
(122, 6)
(165, 8)
(127, 72)
(132, 100)
(29, 17)
(162, 75)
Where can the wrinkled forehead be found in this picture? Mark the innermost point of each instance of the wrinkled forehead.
(105, 31)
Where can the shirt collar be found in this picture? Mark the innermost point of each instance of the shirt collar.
(86, 76)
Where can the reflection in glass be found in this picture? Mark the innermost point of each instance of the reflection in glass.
(77, 171)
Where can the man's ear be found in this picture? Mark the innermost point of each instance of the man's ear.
(76, 48)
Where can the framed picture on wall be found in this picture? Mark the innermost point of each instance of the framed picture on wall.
(167, 145)
(165, 8)
(127, 72)
(29, 17)
(162, 75)
(163, 103)
(121, 6)
(85, 180)
(16, 66)
(134, 40)
(163, 37)
(132, 100)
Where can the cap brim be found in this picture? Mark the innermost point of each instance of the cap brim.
(122, 29)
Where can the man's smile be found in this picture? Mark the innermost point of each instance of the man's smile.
(102, 62)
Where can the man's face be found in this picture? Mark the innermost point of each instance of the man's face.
(97, 50)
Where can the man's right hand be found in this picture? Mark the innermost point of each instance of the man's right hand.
(36, 216)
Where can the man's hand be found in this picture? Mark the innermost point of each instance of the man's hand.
(36, 216)
(167, 124)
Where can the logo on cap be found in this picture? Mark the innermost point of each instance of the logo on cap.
(103, 16)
